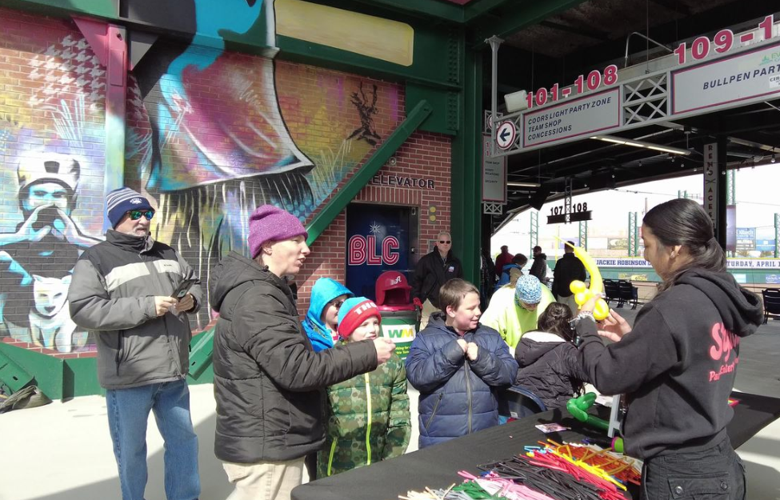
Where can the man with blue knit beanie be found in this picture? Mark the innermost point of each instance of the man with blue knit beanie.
(512, 312)
(122, 291)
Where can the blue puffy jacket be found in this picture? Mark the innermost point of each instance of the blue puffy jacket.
(323, 291)
(457, 395)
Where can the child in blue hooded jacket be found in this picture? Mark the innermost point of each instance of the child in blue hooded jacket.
(327, 295)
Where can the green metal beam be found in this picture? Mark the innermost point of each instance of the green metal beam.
(423, 73)
(428, 9)
(466, 192)
(475, 10)
(358, 181)
(529, 13)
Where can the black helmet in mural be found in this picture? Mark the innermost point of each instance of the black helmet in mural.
(49, 168)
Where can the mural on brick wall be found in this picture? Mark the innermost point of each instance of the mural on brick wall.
(211, 135)
(51, 161)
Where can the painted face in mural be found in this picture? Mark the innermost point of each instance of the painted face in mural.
(287, 256)
(466, 316)
(368, 330)
(136, 222)
(47, 193)
(330, 314)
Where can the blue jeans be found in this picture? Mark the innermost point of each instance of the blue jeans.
(128, 413)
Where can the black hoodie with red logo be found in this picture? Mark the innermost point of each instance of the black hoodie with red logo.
(677, 366)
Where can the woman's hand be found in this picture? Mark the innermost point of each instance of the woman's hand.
(614, 327)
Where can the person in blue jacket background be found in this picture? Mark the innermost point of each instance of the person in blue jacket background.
(327, 295)
(455, 363)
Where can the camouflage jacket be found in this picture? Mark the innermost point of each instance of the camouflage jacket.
(362, 430)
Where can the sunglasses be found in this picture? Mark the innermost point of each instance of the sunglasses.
(137, 214)
(445, 241)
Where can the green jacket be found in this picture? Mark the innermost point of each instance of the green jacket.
(363, 430)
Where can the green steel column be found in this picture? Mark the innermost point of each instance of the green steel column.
(534, 230)
(584, 234)
(731, 188)
(682, 194)
(466, 193)
(777, 235)
(633, 235)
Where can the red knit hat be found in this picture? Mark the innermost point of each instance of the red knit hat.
(353, 312)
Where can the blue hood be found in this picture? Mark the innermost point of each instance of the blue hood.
(323, 291)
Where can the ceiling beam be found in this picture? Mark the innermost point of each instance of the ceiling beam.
(587, 33)
(529, 13)
(477, 9)
(674, 6)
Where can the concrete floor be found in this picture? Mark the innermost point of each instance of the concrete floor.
(62, 451)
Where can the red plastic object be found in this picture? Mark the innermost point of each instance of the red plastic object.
(393, 290)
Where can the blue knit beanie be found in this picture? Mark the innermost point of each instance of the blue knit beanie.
(528, 289)
(120, 201)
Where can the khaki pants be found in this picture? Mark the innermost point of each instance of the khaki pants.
(427, 310)
(569, 301)
(264, 480)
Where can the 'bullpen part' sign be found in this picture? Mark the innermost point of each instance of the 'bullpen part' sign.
(581, 116)
(728, 80)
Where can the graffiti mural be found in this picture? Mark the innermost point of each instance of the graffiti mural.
(211, 134)
(51, 158)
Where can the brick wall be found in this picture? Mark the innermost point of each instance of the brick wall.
(425, 155)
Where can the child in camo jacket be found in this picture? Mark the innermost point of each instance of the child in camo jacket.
(368, 417)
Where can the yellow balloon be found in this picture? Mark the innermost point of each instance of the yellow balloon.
(582, 297)
(577, 286)
(596, 284)
(601, 311)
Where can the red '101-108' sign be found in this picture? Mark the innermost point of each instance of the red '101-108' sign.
(593, 81)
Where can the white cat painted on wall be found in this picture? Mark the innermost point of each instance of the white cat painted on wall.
(50, 323)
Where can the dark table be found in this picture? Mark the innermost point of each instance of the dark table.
(438, 466)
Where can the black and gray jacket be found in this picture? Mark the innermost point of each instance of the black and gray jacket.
(268, 381)
(112, 294)
(550, 367)
(431, 272)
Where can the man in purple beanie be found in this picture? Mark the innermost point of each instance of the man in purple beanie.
(268, 381)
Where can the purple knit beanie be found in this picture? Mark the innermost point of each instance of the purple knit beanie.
(269, 223)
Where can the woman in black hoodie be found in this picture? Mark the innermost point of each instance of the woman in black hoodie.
(677, 366)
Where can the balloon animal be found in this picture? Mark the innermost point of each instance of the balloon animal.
(582, 294)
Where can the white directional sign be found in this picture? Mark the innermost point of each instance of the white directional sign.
(493, 174)
(571, 118)
(728, 80)
(506, 135)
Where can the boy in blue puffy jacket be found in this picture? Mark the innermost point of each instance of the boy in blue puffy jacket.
(456, 363)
